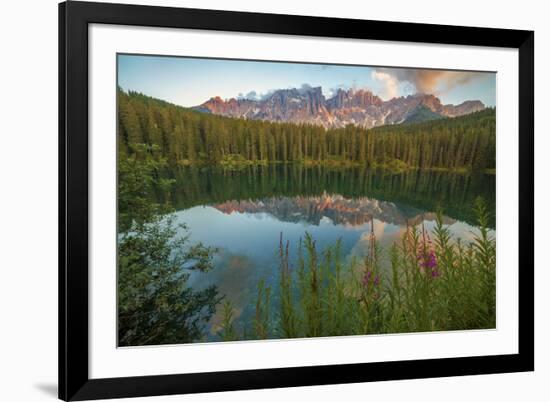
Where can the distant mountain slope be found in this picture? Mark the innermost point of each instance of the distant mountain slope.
(421, 114)
(357, 107)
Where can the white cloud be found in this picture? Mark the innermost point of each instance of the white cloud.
(389, 82)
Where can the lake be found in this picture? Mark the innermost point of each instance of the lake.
(244, 212)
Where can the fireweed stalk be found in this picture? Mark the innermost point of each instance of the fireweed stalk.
(370, 293)
(371, 278)
(427, 259)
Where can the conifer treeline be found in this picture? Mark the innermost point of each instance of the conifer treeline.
(187, 136)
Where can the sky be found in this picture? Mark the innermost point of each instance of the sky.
(192, 81)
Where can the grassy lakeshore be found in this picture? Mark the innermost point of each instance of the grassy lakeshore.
(435, 284)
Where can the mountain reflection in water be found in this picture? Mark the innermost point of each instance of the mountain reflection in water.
(247, 235)
(340, 211)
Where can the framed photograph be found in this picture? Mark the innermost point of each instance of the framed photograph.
(258, 201)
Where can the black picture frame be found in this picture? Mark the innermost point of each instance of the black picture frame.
(74, 18)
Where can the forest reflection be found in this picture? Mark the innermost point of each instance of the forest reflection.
(413, 192)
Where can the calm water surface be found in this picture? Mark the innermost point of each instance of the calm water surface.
(244, 212)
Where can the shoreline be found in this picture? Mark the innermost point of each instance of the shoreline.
(395, 167)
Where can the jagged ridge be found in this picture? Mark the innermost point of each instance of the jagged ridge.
(340, 210)
(358, 107)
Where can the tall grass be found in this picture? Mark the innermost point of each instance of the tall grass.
(434, 283)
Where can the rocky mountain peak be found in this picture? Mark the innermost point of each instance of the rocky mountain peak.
(353, 98)
(359, 107)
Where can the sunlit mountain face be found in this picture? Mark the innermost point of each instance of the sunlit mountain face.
(361, 108)
(334, 207)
